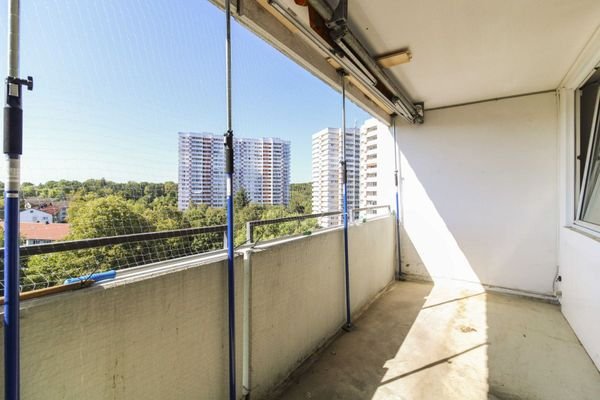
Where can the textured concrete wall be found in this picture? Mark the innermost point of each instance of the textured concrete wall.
(164, 336)
(158, 338)
(372, 248)
(298, 294)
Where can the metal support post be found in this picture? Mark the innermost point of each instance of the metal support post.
(13, 148)
(343, 166)
(397, 183)
(228, 142)
(249, 232)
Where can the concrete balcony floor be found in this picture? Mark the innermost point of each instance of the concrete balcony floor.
(422, 341)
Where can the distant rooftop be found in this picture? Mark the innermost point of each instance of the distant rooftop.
(41, 231)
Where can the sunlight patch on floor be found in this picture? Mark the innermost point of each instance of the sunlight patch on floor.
(445, 351)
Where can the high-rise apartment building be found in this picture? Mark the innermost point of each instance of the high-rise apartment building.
(327, 173)
(261, 167)
(377, 185)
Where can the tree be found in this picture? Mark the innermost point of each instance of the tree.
(301, 198)
(93, 218)
(202, 215)
(241, 199)
(99, 208)
(251, 212)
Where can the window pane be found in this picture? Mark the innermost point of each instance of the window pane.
(591, 196)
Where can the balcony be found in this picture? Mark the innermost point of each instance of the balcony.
(161, 330)
(485, 286)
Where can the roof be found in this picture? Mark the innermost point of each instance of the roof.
(34, 210)
(44, 202)
(51, 209)
(41, 231)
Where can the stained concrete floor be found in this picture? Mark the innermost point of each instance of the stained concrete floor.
(421, 341)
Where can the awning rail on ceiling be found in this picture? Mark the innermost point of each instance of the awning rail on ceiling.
(336, 40)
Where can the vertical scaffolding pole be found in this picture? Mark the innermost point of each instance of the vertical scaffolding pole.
(344, 168)
(228, 142)
(13, 139)
(397, 183)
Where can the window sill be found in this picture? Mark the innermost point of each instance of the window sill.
(585, 231)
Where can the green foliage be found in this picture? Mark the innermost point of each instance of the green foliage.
(93, 218)
(301, 198)
(202, 215)
(66, 190)
(241, 199)
(100, 208)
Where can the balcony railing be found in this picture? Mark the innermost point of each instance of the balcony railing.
(144, 248)
(160, 329)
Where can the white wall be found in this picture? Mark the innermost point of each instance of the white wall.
(580, 271)
(480, 193)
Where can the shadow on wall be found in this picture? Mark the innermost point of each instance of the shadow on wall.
(479, 194)
(429, 248)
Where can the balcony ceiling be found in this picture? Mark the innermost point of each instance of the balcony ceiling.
(469, 50)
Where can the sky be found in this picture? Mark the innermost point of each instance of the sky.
(116, 80)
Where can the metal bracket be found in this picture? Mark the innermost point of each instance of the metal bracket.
(228, 144)
(21, 82)
(420, 108)
(340, 15)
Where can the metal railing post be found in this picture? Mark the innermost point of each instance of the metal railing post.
(343, 165)
(228, 142)
(397, 183)
(249, 232)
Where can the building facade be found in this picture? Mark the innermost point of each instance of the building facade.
(327, 173)
(57, 208)
(262, 169)
(36, 216)
(377, 184)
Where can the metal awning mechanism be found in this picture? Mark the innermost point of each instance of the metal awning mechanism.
(330, 33)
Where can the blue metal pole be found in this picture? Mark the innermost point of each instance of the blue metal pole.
(11, 296)
(397, 183)
(13, 148)
(348, 324)
(231, 290)
(228, 141)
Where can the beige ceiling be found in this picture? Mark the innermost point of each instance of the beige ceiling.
(469, 50)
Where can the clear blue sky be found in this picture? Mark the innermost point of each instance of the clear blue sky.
(116, 80)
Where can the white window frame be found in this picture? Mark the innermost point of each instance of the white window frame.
(594, 138)
(568, 126)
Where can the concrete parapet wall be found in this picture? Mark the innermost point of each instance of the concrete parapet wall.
(162, 331)
(298, 294)
(160, 337)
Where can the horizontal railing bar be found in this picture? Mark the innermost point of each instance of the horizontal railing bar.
(81, 244)
(369, 208)
(260, 222)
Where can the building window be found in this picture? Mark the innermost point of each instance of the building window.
(588, 157)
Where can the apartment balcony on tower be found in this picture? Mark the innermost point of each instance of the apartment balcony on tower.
(447, 245)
